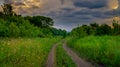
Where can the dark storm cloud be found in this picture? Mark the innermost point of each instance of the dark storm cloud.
(19, 4)
(62, 1)
(84, 12)
(68, 13)
(113, 13)
(67, 9)
(9, 1)
(91, 4)
(89, 12)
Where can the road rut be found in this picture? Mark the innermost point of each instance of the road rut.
(79, 61)
(51, 58)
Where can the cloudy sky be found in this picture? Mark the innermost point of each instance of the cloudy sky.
(68, 14)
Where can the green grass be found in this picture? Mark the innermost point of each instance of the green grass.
(104, 50)
(62, 58)
(25, 52)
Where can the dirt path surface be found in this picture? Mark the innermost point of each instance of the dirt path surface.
(79, 62)
(51, 58)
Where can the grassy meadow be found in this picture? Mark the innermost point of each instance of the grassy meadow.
(103, 50)
(26, 52)
(62, 58)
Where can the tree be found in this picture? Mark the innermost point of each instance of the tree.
(94, 27)
(78, 32)
(13, 30)
(58, 32)
(7, 9)
(28, 30)
(104, 29)
(13, 25)
(3, 28)
(1, 15)
(116, 28)
(40, 21)
(87, 29)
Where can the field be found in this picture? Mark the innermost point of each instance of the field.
(25, 52)
(33, 52)
(103, 50)
(63, 60)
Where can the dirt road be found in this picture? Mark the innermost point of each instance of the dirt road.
(79, 61)
(51, 57)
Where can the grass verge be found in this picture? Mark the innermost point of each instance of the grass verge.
(63, 60)
(104, 50)
(26, 52)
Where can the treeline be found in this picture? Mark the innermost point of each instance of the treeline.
(13, 25)
(96, 30)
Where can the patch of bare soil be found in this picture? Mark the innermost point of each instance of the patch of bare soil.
(51, 58)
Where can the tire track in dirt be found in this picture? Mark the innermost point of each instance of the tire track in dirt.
(51, 57)
(79, 61)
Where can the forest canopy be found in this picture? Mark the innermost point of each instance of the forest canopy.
(14, 25)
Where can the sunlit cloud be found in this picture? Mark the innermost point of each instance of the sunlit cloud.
(113, 4)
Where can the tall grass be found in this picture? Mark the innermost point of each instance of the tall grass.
(25, 52)
(104, 50)
(62, 58)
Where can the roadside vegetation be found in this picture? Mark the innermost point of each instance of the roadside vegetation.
(104, 50)
(26, 52)
(62, 58)
(97, 43)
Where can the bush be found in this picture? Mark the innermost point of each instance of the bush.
(13, 29)
(78, 32)
(3, 28)
(28, 30)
